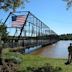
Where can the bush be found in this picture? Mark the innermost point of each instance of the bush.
(46, 68)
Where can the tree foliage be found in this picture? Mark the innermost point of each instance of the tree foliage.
(3, 32)
(65, 37)
(68, 3)
(11, 4)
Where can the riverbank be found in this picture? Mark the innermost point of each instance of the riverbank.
(37, 61)
(31, 60)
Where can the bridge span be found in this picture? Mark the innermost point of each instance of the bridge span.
(33, 32)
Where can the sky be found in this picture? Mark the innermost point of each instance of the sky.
(52, 12)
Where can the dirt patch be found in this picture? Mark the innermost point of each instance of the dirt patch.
(8, 66)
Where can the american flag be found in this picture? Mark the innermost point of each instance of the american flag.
(18, 21)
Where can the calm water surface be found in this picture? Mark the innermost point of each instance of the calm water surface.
(57, 50)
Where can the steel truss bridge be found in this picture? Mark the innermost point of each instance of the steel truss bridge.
(32, 33)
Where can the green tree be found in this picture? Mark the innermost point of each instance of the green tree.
(3, 32)
(3, 38)
(12, 4)
(68, 3)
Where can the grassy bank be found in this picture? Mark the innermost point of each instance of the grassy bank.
(30, 60)
(37, 61)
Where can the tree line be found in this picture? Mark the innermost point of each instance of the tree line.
(65, 37)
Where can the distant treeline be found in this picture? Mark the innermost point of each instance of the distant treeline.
(65, 37)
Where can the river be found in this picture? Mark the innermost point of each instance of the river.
(57, 50)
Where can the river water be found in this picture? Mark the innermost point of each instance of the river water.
(57, 50)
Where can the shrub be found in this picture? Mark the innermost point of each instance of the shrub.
(46, 68)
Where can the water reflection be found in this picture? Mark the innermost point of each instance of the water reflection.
(57, 50)
(30, 50)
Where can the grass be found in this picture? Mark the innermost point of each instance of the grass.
(31, 60)
(37, 61)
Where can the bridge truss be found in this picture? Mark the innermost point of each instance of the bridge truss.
(32, 33)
